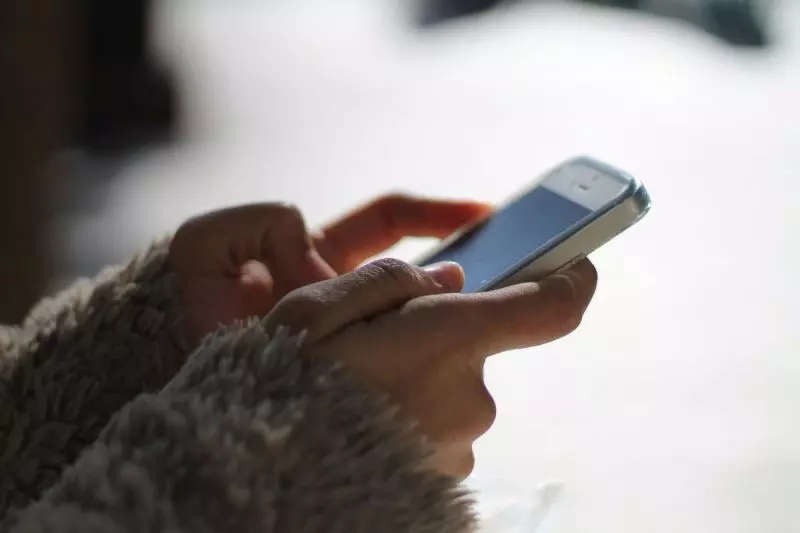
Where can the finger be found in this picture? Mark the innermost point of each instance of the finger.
(328, 306)
(273, 233)
(520, 316)
(363, 233)
(535, 313)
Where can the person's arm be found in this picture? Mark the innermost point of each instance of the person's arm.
(75, 361)
(80, 357)
(250, 437)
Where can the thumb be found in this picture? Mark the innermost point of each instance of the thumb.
(328, 306)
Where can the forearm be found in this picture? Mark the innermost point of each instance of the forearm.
(249, 437)
(75, 361)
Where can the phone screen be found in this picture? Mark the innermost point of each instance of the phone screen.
(510, 235)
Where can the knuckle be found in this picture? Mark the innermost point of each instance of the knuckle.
(464, 465)
(289, 209)
(394, 199)
(485, 412)
(454, 461)
(181, 241)
(394, 208)
(474, 415)
(298, 309)
(193, 228)
(284, 229)
(398, 271)
(287, 215)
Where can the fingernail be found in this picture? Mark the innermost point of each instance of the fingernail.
(448, 274)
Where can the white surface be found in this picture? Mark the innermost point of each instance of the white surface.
(674, 407)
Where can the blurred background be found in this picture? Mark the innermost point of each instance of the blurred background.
(674, 406)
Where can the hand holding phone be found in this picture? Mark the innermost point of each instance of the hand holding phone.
(570, 212)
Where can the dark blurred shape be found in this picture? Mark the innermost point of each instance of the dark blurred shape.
(127, 99)
(73, 75)
(433, 12)
(38, 59)
(736, 22)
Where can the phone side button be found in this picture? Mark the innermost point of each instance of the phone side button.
(571, 263)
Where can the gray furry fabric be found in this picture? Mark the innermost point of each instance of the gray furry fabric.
(107, 426)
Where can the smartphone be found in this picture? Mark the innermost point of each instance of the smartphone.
(567, 214)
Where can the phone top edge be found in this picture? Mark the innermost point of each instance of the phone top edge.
(606, 168)
(617, 173)
(635, 189)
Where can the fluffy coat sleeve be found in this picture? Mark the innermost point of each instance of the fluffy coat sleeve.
(241, 436)
(75, 361)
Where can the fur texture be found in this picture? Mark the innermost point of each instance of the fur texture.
(243, 437)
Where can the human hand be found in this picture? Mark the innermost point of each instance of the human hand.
(238, 262)
(409, 333)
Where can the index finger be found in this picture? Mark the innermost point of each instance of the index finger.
(371, 229)
(519, 316)
(532, 314)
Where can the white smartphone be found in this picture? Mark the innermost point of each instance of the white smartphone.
(574, 209)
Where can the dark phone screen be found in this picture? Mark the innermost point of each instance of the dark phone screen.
(511, 235)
